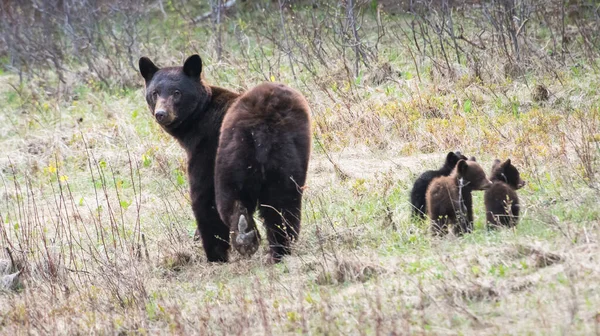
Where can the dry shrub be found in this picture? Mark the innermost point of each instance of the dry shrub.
(540, 257)
(176, 261)
(540, 93)
(381, 74)
(348, 271)
(474, 292)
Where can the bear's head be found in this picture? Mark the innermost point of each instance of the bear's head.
(507, 173)
(472, 175)
(174, 93)
(452, 159)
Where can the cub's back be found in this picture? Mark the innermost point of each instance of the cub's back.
(440, 197)
(498, 193)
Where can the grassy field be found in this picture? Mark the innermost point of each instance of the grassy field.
(94, 207)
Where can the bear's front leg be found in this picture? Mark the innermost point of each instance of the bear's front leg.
(469, 205)
(213, 232)
(211, 229)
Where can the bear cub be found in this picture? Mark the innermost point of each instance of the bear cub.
(449, 199)
(419, 189)
(501, 200)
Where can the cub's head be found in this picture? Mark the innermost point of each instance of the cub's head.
(472, 173)
(174, 93)
(452, 159)
(507, 173)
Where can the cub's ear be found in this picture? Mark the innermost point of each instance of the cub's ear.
(192, 66)
(147, 68)
(507, 163)
(462, 167)
(451, 159)
(472, 158)
(496, 164)
(459, 156)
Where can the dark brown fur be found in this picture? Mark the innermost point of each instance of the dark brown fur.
(502, 206)
(449, 200)
(263, 157)
(193, 112)
(419, 189)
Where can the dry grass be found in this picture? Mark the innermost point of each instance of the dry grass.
(94, 209)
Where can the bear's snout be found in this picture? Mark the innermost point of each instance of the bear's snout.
(486, 185)
(160, 115)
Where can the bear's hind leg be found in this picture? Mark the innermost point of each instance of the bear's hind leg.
(417, 200)
(281, 212)
(438, 227)
(236, 189)
(245, 237)
(238, 217)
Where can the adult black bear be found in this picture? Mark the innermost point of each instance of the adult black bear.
(501, 200)
(417, 194)
(243, 150)
(449, 199)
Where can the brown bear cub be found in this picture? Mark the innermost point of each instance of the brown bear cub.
(244, 151)
(449, 199)
(417, 194)
(501, 200)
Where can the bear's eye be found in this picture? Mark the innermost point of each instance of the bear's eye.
(154, 94)
(176, 94)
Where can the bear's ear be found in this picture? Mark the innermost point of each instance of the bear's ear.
(459, 155)
(472, 158)
(147, 68)
(451, 158)
(496, 164)
(193, 66)
(507, 163)
(462, 167)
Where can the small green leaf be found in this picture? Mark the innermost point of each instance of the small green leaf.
(515, 109)
(125, 204)
(309, 298)
(467, 106)
(374, 4)
(146, 160)
(179, 177)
